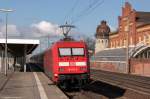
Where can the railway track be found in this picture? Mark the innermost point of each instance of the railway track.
(76, 94)
(71, 94)
(33, 68)
(97, 90)
(100, 89)
(132, 82)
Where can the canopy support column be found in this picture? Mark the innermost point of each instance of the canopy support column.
(25, 50)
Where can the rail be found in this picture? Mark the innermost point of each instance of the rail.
(132, 82)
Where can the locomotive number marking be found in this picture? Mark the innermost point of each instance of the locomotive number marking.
(72, 64)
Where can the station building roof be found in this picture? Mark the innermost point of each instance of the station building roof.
(111, 55)
(19, 47)
(142, 18)
(119, 54)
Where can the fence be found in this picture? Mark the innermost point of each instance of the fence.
(113, 66)
(137, 66)
(140, 66)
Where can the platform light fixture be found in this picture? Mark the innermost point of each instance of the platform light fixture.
(6, 11)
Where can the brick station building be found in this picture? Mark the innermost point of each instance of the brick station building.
(133, 33)
(135, 23)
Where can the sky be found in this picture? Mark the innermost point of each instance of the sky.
(36, 18)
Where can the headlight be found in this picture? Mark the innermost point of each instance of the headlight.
(81, 64)
(63, 63)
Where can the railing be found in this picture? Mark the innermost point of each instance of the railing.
(139, 46)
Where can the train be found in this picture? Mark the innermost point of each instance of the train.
(66, 62)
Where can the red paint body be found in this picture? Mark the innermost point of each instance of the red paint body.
(52, 59)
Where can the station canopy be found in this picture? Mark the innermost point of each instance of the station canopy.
(19, 47)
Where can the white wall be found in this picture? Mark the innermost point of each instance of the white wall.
(101, 44)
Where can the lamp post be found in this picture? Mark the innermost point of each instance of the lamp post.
(6, 11)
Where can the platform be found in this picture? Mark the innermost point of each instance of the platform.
(29, 85)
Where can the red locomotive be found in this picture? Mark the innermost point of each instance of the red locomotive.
(67, 63)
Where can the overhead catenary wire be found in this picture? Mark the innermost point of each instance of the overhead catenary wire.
(69, 15)
(92, 6)
(74, 18)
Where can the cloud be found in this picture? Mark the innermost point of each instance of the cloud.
(12, 31)
(45, 28)
(42, 28)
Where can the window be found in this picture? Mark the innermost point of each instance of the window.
(77, 51)
(140, 39)
(131, 42)
(71, 51)
(65, 51)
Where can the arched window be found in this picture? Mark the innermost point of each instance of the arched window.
(116, 43)
(131, 42)
(99, 41)
(120, 43)
(110, 44)
(140, 39)
(146, 39)
(124, 43)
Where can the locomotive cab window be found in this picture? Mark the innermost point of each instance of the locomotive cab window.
(71, 51)
(78, 51)
(65, 51)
